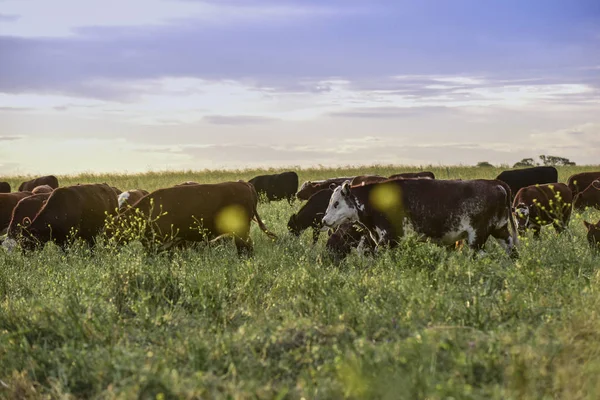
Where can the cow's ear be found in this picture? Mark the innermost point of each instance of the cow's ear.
(332, 186)
(346, 188)
(596, 184)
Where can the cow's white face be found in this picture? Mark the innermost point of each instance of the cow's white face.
(341, 208)
(123, 197)
(522, 216)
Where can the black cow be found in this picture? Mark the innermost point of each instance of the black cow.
(520, 178)
(311, 214)
(4, 187)
(277, 187)
(442, 210)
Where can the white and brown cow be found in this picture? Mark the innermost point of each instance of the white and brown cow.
(444, 211)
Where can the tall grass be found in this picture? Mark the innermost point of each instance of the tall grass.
(418, 321)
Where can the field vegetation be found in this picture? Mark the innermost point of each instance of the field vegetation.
(415, 322)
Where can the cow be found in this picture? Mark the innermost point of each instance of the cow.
(79, 210)
(42, 189)
(347, 236)
(23, 213)
(197, 213)
(4, 187)
(442, 210)
(579, 182)
(593, 233)
(520, 178)
(366, 179)
(49, 180)
(309, 188)
(538, 205)
(8, 201)
(590, 197)
(130, 197)
(310, 214)
(277, 186)
(414, 175)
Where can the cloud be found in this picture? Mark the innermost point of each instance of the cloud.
(237, 119)
(9, 18)
(10, 138)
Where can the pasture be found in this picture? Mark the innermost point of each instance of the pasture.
(418, 321)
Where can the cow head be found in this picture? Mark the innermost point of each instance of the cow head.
(593, 234)
(590, 197)
(342, 207)
(293, 225)
(521, 212)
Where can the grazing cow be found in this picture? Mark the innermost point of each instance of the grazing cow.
(23, 213)
(4, 187)
(196, 213)
(348, 236)
(42, 189)
(590, 197)
(310, 214)
(538, 205)
(309, 188)
(579, 182)
(80, 210)
(49, 180)
(520, 178)
(444, 211)
(593, 234)
(366, 179)
(414, 175)
(8, 201)
(277, 186)
(131, 197)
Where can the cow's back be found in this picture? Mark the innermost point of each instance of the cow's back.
(4, 187)
(49, 180)
(579, 182)
(414, 175)
(25, 212)
(520, 178)
(8, 202)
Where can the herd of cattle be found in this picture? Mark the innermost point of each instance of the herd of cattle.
(362, 212)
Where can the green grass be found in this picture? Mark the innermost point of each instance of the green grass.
(415, 322)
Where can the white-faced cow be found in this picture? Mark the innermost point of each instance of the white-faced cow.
(538, 205)
(444, 211)
(130, 197)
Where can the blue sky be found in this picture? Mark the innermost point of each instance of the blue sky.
(179, 84)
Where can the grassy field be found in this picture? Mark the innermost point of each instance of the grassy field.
(415, 322)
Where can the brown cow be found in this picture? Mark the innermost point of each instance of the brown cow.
(348, 236)
(309, 188)
(24, 212)
(579, 182)
(49, 180)
(310, 214)
(42, 189)
(80, 210)
(590, 197)
(131, 197)
(4, 187)
(442, 210)
(538, 205)
(414, 175)
(8, 202)
(196, 213)
(366, 179)
(593, 234)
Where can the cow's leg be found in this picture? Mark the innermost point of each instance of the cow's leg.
(316, 232)
(244, 246)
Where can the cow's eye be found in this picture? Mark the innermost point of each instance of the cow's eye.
(336, 204)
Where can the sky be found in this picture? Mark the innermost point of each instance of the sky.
(154, 85)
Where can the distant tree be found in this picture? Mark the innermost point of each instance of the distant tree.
(555, 161)
(484, 164)
(526, 162)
